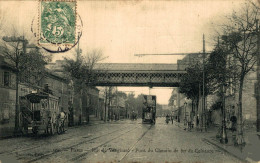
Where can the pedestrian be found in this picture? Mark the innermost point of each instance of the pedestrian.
(172, 119)
(167, 119)
(61, 120)
(233, 119)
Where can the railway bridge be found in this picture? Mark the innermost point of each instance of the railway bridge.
(137, 74)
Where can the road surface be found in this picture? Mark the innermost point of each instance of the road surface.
(121, 141)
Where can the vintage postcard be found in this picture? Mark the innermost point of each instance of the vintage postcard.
(129, 81)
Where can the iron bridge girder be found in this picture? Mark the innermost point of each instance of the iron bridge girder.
(137, 78)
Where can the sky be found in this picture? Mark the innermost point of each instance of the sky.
(124, 28)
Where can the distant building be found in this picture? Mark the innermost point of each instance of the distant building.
(85, 103)
(118, 108)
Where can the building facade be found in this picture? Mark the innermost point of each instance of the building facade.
(7, 98)
(84, 101)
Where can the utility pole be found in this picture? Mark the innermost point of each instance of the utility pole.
(117, 105)
(258, 78)
(105, 116)
(78, 51)
(24, 42)
(204, 125)
(81, 90)
(224, 138)
(109, 103)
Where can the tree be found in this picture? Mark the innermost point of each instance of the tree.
(121, 94)
(27, 65)
(81, 73)
(221, 71)
(191, 83)
(241, 41)
(33, 72)
(172, 99)
(108, 99)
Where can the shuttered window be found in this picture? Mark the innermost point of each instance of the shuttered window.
(7, 77)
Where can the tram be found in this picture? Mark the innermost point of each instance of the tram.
(149, 109)
(40, 113)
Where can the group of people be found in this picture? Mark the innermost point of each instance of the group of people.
(168, 118)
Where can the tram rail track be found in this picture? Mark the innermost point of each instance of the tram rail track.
(132, 147)
(86, 153)
(67, 148)
(46, 143)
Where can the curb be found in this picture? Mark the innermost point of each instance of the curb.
(225, 151)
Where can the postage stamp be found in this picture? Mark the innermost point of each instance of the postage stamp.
(58, 30)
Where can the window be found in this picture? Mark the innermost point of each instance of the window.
(6, 79)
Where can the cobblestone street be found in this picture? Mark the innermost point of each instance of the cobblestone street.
(121, 141)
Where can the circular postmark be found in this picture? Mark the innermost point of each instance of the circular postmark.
(59, 27)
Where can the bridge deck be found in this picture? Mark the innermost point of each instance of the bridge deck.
(134, 74)
(137, 74)
(135, 67)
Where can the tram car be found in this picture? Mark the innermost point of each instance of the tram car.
(40, 113)
(149, 109)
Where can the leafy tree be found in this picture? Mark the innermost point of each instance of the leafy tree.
(191, 83)
(221, 70)
(121, 94)
(81, 73)
(240, 38)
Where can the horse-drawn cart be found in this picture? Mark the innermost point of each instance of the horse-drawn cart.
(40, 113)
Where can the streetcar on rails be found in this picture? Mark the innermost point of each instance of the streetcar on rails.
(40, 113)
(149, 109)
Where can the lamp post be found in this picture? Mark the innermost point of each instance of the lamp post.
(223, 134)
(185, 119)
(223, 137)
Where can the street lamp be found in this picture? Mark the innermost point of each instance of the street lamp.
(185, 120)
(223, 136)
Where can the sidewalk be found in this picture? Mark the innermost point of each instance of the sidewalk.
(248, 153)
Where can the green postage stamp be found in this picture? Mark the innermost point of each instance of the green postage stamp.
(57, 24)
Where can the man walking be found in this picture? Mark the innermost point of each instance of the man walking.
(172, 118)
